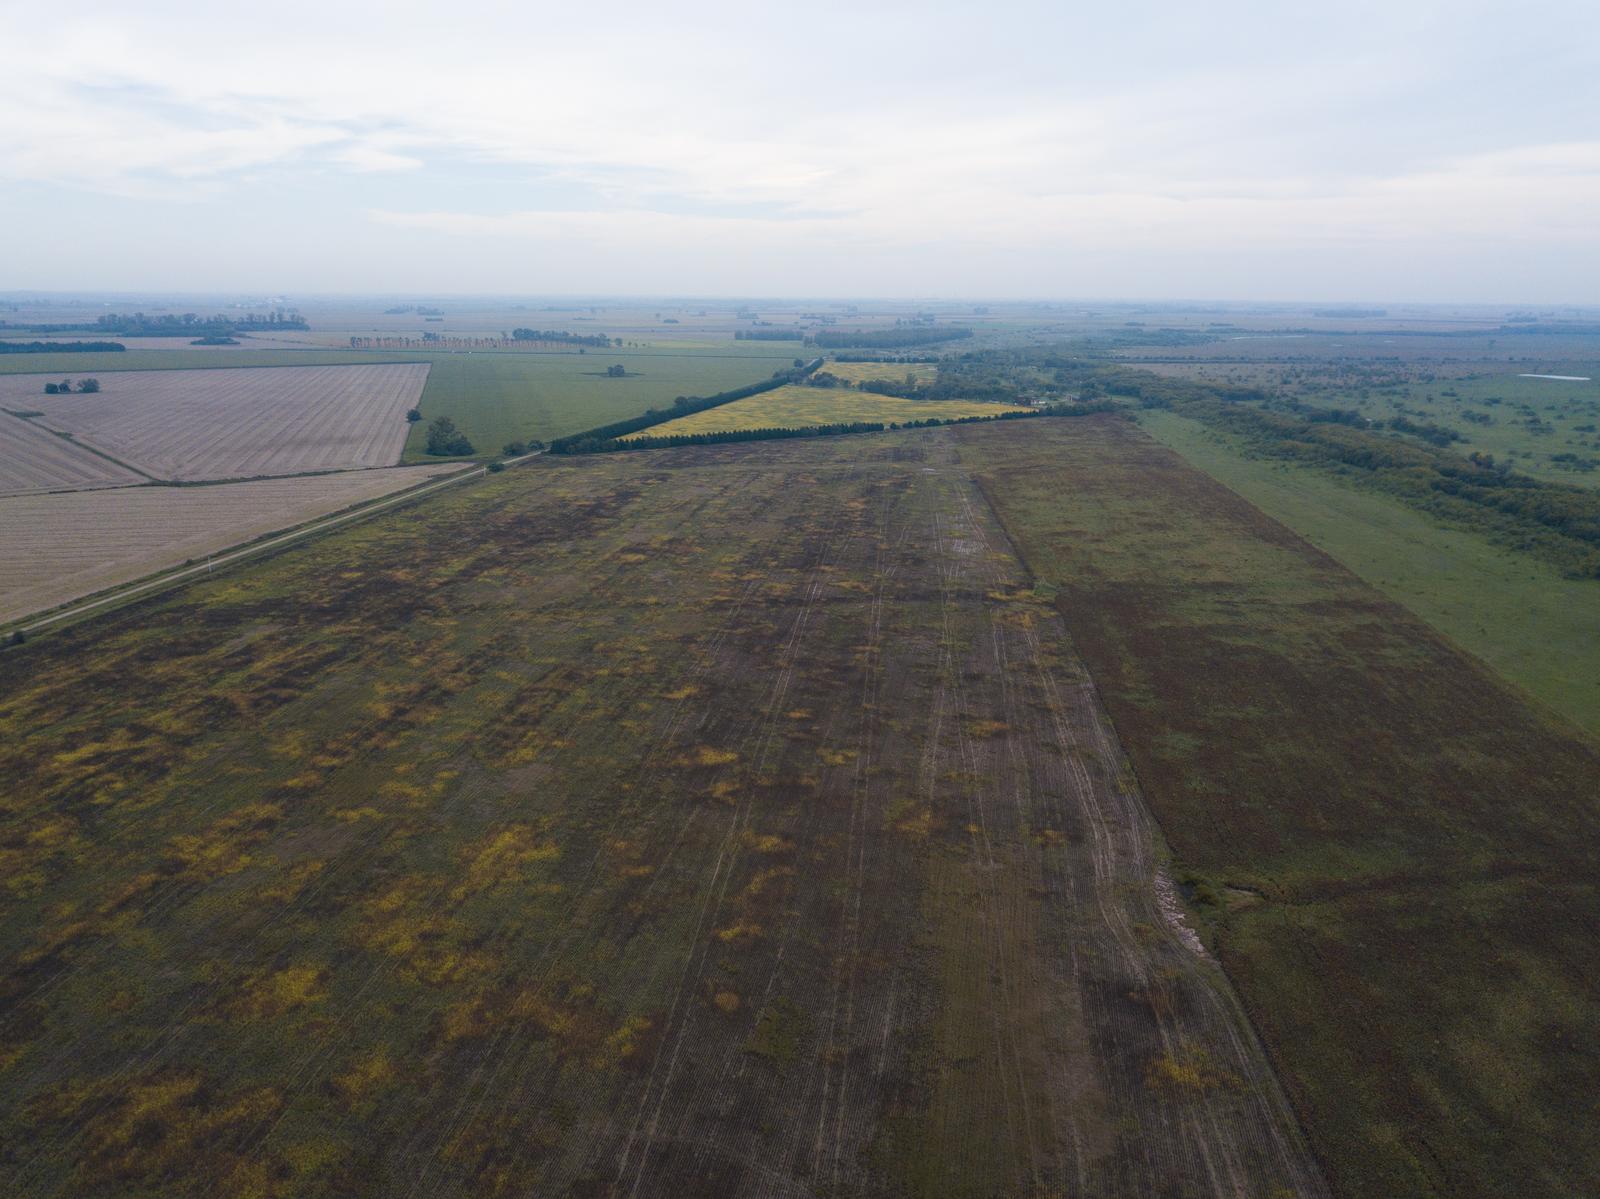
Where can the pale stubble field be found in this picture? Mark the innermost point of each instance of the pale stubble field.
(55, 548)
(234, 423)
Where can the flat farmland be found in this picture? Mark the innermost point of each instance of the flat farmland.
(33, 459)
(188, 426)
(58, 547)
(795, 406)
(494, 397)
(506, 396)
(893, 372)
(1396, 852)
(55, 365)
(734, 820)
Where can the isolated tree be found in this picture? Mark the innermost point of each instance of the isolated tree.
(51, 389)
(414, 415)
(89, 385)
(445, 440)
(616, 372)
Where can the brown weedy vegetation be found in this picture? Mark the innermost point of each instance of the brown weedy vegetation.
(1397, 852)
(584, 833)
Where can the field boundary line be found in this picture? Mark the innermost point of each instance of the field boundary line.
(230, 557)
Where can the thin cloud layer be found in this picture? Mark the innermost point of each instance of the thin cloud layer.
(1394, 150)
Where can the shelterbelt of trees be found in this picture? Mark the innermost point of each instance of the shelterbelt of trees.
(1558, 521)
(562, 337)
(61, 347)
(591, 440)
(188, 324)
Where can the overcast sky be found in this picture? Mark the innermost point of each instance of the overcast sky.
(1398, 150)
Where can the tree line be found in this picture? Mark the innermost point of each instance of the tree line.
(585, 442)
(188, 324)
(428, 340)
(61, 347)
(562, 337)
(1558, 521)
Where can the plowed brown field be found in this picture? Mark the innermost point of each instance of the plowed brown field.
(54, 548)
(236, 423)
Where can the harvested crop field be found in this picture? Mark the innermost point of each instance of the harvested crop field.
(723, 821)
(58, 547)
(235, 423)
(1396, 851)
(33, 459)
(795, 407)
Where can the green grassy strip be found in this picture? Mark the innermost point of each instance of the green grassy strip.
(1537, 629)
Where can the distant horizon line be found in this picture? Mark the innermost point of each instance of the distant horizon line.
(287, 296)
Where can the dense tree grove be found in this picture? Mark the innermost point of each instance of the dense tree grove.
(445, 440)
(554, 337)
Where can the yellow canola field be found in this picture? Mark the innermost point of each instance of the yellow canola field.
(794, 407)
(893, 372)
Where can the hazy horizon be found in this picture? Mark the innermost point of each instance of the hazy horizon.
(1441, 153)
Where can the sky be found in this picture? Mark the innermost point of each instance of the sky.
(1407, 150)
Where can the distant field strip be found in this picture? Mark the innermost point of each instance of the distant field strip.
(796, 407)
(893, 372)
(55, 548)
(33, 459)
(236, 422)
